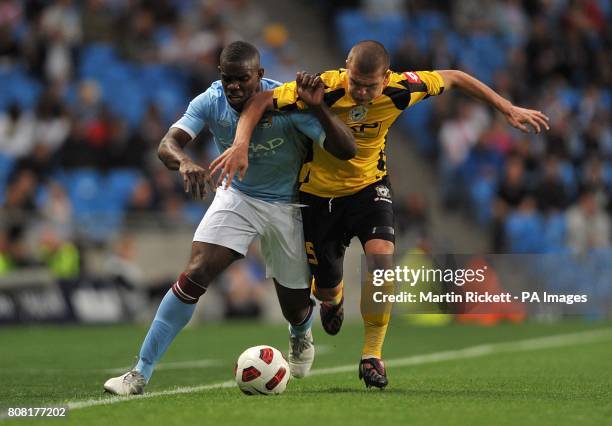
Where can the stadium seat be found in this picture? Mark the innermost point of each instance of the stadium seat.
(429, 22)
(84, 188)
(566, 272)
(568, 176)
(27, 90)
(164, 87)
(98, 211)
(483, 54)
(416, 122)
(118, 187)
(18, 87)
(482, 191)
(554, 233)
(94, 60)
(193, 212)
(570, 98)
(524, 232)
(606, 98)
(355, 25)
(7, 164)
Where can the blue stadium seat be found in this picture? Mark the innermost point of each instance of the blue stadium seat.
(554, 233)
(416, 121)
(568, 176)
(570, 97)
(98, 211)
(94, 60)
(524, 232)
(602, 262)
(153, 75)
(25, 91)
(566, 272)
(429, 21)
(99, 227)
(171, 101)
(606, 98)
(119, 185)
(84, 188)
(483, 54)
(423, 26)
(354, 25)
(193, 212)
(482, 191)
(7, 164)
(164, 87)
(269, 59)
(18, 87)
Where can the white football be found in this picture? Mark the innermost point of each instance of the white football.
(262, 370)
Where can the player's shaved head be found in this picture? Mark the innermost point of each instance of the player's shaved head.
(367, 70)
(240, 52)
(369, 57)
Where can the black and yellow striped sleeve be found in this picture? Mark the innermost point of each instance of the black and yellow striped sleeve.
(423, 84)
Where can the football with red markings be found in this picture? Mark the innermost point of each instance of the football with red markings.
(262, 370)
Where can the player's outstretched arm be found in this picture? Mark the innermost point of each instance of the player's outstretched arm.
(171, 152)
(339, 139)
(516, 116)
(235, 159)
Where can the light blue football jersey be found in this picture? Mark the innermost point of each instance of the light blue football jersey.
(277, 149)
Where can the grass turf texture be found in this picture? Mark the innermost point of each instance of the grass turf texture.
(43, 366)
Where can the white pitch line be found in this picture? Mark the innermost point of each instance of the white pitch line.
(175, 391)
(198, 363)
(180, 365)
(469, 352)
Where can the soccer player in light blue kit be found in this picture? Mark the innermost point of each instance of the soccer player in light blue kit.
(259, 203)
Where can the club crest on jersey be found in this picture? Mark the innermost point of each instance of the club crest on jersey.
(266, 122)
(383, 193)
(358, 113)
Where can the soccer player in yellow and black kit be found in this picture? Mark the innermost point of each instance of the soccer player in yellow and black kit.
(353, 198)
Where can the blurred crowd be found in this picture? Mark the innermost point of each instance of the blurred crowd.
(536, 193)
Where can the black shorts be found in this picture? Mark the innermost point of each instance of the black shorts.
(331, 223)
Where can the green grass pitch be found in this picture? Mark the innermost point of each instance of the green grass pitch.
(451, 375)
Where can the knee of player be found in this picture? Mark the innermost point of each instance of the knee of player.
(379, 261)
(295, 315)
(204, 269)
(327, 294)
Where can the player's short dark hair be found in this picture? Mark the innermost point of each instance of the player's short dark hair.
(369, 56)
(239, 51)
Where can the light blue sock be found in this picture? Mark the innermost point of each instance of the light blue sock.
(301, 329)
(172, 315)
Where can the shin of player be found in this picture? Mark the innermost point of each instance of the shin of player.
(375, 315)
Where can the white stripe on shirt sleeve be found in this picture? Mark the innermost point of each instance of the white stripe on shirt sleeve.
(184, 128)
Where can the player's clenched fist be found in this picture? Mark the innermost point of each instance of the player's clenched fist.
(195, 179)
(310, 88)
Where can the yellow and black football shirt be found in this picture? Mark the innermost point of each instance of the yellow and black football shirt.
(326, 176)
